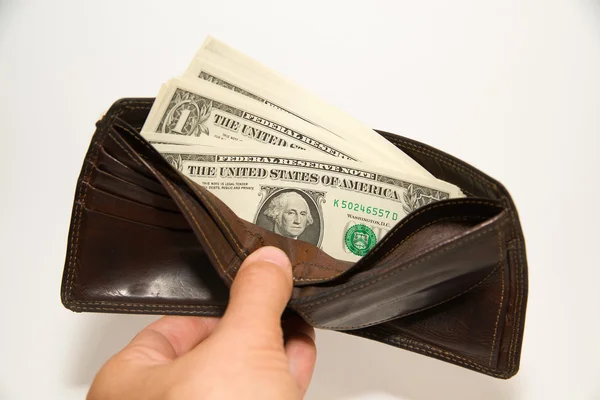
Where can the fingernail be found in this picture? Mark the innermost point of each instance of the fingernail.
(270, 254)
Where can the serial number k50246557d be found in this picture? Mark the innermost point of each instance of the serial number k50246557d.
(379, 212)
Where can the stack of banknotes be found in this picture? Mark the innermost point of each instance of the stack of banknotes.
(284, 159)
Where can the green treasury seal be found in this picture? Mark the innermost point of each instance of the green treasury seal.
(360, 239)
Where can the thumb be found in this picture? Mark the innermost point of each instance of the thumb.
(258, 296)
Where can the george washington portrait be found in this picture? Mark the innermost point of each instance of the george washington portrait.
(291, 213)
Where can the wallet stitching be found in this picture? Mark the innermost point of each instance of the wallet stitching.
(400, 226)
(132, 133)
(519, 289)
(75, 240)
(519, 267)
(257, 236)
(308, 263)
(521, 295)
(116, 141)
(72, 273)
(111, 303)
(141, 310)
(234, 264)
(310, 305)
(501, 264)
(518, 308)
(431, 350)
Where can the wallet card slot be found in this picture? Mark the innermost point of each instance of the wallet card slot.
(121, 188)
(111, 165)
(122, 154)
(107, 203)
(135, 118)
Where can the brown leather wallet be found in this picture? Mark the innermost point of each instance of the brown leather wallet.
(448, 281)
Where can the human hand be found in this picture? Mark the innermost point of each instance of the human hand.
(244, 355)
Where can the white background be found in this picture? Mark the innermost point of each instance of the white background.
(512, 87)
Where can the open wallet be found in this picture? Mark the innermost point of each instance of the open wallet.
(449, 281)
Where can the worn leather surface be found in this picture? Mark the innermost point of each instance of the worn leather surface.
(449, 281)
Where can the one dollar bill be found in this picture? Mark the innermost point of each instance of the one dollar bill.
(342, 207)
(200, 110)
